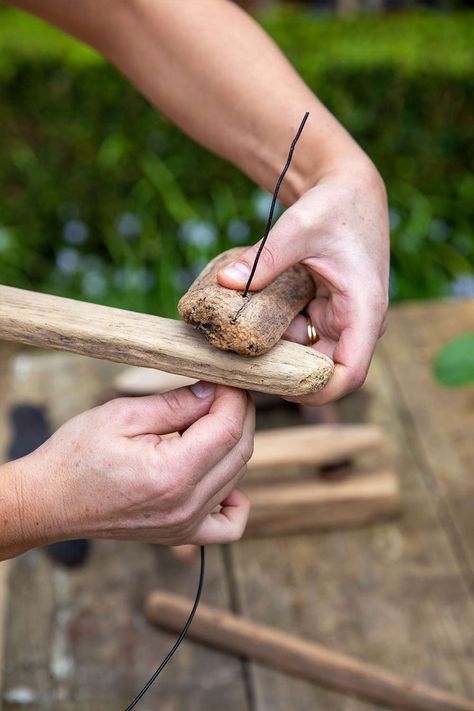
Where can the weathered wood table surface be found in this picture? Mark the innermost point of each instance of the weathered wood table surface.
(399, 594)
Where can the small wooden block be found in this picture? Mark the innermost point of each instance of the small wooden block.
(320, 505)
(251, 325)
(312, 445)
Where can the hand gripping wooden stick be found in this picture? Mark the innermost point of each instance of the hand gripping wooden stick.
(140, 339)
(299, 657)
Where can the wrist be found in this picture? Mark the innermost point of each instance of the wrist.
(14, 533)
(26, 508)
(340, 158)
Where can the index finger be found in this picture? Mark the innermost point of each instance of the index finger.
(208, 440)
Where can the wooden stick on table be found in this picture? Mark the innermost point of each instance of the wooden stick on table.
(298, 657)
(140, 339)
(281, 508)
(312, 445)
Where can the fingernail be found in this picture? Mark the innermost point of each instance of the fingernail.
(237, 271)
(202, 389)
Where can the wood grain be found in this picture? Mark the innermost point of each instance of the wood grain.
(299, 657)
(361, 498)
(442, 419)
(251, 325)
(140, 339)
(394, 593)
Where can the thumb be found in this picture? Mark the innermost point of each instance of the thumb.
(170, 412)
(284, 248)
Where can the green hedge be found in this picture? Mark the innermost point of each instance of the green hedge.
(103, 199)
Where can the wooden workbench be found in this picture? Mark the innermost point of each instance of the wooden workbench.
(399, 594)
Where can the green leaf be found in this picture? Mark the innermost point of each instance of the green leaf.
(454, 364)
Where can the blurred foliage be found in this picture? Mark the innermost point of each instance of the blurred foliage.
(103, 199)
(454, 364)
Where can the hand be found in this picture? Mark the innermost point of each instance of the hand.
(109, 473)
(339, 230)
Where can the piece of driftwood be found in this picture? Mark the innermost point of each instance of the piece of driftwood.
(299, 657)
(312, 445)
(140, 339)
(251, 325)
(288, 507)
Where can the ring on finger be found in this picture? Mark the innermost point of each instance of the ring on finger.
(311, 331)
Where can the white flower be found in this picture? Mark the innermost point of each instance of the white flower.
(93, 284)
(463, 286)
(75, 232)
(68, 260)
(134, 279)
(198, 234)
(262, 205)
(129, 225)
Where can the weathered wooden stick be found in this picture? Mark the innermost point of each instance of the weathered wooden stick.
(140, 339)
(359, 499)
(251, 325)
(312, 445)
(298, 657)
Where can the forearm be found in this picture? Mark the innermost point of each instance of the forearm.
(214, 72)
(25, 509)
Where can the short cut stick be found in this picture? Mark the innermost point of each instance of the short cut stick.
(132, 338)
(299, 657)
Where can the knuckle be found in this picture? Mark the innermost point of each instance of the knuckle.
(382, 303)
(172, 402)
(119, 410)
(247, 449)
(357, 379)
(237, 531)
(240, 472)
(182, 518)
(232, 431)
(268, 258)
(179, 519)
(167, 490)
(298, 220)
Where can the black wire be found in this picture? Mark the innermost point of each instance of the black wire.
(183, 632)
(182, 635)
(274, 199)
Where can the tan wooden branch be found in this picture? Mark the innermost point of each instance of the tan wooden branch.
(140, 339)
(299, 657)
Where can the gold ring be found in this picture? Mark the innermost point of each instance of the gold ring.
(312, 333)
